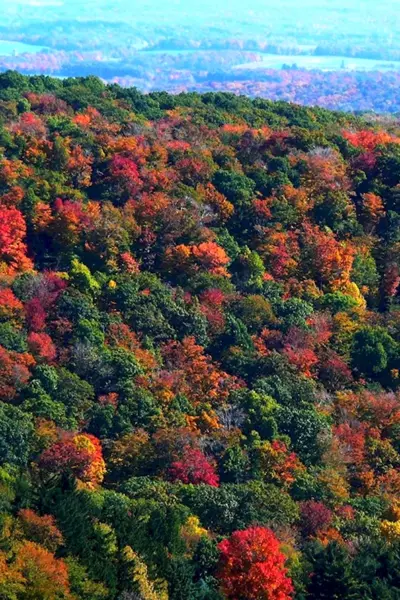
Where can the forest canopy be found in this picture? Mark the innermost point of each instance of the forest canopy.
(199, 347)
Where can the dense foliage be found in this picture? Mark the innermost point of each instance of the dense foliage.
(199, 347)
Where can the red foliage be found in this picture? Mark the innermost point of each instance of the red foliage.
(329, 261)
(126, 170)
(315, 517)
(194, 468)
(212, 302)
(304, 360)
(352, 442)
(35, 314)
(64, 457)
(193, 171)
(252, 566)
(391, 280)
(12, 248)
(334, 372)
(130, 264)
(47, 104)
(30, 124)
(346, 512)
(70, 219)
(41, 346)
(78, 455)
(14, 372)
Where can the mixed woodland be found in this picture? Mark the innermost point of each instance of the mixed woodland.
(199, 347)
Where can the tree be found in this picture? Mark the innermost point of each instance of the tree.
(252, 567)
(136, 577)
(194, 468)
(13, 251)
(373, 350)
(11, 580)
(78, 455)
(41, 346)
(16, 435)
(332, 575)
(41, 530)
(14, 372)
(236, 187)
(46, 577)
(315, 516)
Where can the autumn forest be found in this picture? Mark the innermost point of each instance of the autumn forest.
(199, 347)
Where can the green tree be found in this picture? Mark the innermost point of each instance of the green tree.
(332, 575)
(374, 350)
(16, 435)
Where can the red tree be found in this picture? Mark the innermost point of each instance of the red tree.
(14, 372)
(41, 346)
(252, 567)
(315, 517)
(77, 455)
(12, 248)
(194, 468)
(35, 314)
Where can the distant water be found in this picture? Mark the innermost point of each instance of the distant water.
(8, 48)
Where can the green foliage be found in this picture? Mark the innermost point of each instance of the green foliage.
(374, 350)
(16, 432)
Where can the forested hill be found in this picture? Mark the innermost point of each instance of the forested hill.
(199, 347)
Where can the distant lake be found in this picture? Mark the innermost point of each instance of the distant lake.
(323, 63)
(8, 48)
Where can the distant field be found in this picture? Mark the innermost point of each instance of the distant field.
(337, 54)
(323, 63)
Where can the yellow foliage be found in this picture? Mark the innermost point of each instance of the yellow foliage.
(335, 483)
(192, 531)
(351, 289)
(145, 588)
(390, 530)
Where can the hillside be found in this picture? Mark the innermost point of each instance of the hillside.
(199, 347)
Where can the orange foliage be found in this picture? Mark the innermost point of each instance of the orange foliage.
(195, 374)
(42, 530)
(11, 308)
(367, 139)
(14, 372)
(46, 577)
(216, 201)
(189, 259)
(372, 209)
(13, 250)
(120, 335)
(329, 260)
